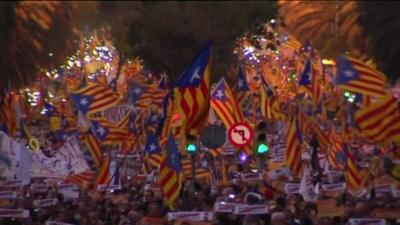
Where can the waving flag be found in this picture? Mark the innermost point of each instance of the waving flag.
(93, 146)
(293, 149)
(351, 173)
(199, 172)
(243, 90)
(224, 104)
(310, 80)
(170, 176)
(82, 179)
(108, 133)
(163, 84)
(290, 41)
(192, 92)
(355, 76)
(152, 145)
(8, 115)
(94, 98)
(322, 137)
(103, 175)
(144, 95)
(336, 147)
(380, 121)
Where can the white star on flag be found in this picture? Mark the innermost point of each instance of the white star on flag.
(152, 147)
(83, 101)
(196, 74)
(137, 90)
(348, 73)
(241, 83)
(100, 130)
(154, 118)
(308, 76)
(220, 94)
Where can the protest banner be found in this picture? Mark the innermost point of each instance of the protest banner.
(366, 221)
(44, 203)
(247, 177)
(14, 213)
(243, 209)
(292, 188)
(8, 195)
(191, 216)
(224, 207)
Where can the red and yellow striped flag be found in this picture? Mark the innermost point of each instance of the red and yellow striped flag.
(93, 146)
(293, 149)
(192, 93)
(336, 147)
(351, 174)
(380, 121)
(103, 175)
(8, 115)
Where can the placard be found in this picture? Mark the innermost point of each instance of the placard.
(251, 177)
(14, 213)
(224, 207)
(44, 203)
(292, 188)
(191, 216)
(243, 209)
(365, 221)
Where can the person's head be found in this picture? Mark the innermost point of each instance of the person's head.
(278, 218)
(361, 208)
(155, 208)
(134, 216)
(148, 195)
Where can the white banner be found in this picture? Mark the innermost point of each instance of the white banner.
(334, 187)
(359, 193)
(307, 189)
(11, 184)
(292, 188)
(243, 209)
(8, 195)
(43, 203)
(39, 188)
(68, 159)
(366, 221)
(383, 188)
(56, 223)
(225, 207)
(14, 213)
(191, 216)
(111, 187)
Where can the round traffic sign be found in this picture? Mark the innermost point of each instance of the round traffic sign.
(241, 135)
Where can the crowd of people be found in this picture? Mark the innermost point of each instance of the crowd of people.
(140, 202)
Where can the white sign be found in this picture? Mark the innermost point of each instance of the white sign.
(111, 187)
(292, 188)
(243, 209)
(334, 187)
(43, 203)
(191, 216)
(306, 188)
(14, 213)
(225, 207)
(8, 195)
(366, 221)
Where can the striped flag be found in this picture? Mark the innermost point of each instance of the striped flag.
(8, 115)
(336, 147)
(192, 92)
(170, 176)
(356, 76)
(265, 104)
(103, 175)
(322, 137)
(290, 41)
(351, 174)
(242, 89)
(93, 146)
(108, 133)
(94, 98)
(310, 80)
(82, 179)
(200, 172)
(143, 96)
(227, 109)
(293, 149)
(380, 121)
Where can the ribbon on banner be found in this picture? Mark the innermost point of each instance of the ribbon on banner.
(191, 216)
